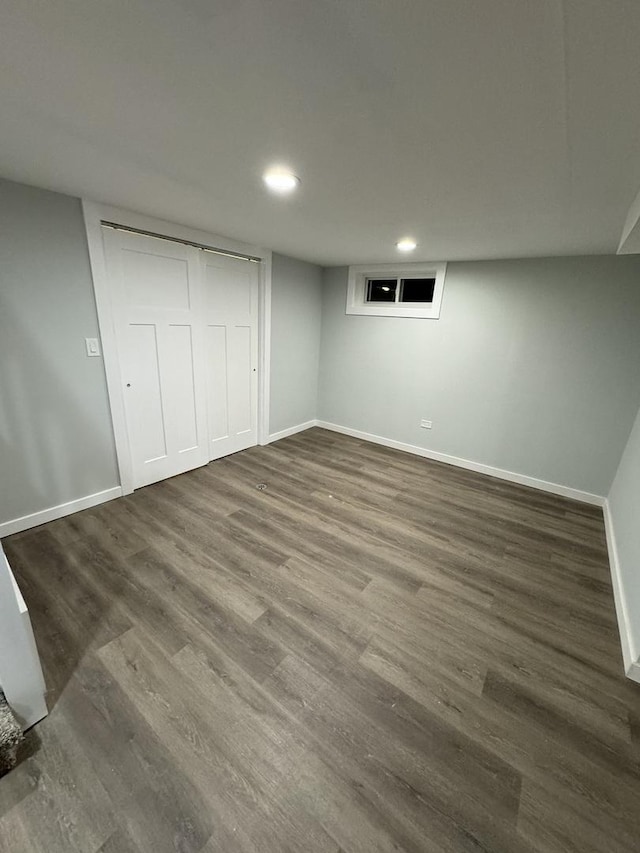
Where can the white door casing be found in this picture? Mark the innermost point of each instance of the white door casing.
(231, 346)
(157, 303)
(94, 215)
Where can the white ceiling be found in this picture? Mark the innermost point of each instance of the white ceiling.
(499, 128)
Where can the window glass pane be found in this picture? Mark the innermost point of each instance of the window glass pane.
(417, 289)
(381, 289)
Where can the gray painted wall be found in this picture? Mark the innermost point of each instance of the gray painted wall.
(532, 367)
(56, 442)
(296, 313)
(624, 505)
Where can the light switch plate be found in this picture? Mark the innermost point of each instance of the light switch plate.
(93, 347)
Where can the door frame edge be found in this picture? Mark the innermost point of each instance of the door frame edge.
(94, 214)
(264, 346)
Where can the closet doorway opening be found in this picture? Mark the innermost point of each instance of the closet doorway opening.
(184, 326)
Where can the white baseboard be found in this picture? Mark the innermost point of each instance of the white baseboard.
(511, 476)
(16, 525)
(284, 433)
(629, 652)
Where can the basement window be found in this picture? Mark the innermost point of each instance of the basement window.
(402, 290)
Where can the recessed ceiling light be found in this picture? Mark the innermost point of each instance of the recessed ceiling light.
(406, 244)
(281, 181)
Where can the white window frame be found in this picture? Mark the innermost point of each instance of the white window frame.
(357, 290)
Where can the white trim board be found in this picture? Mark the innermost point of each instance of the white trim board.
(94, 214)
(629, 652)
(357, 287)
(284, 433)
(511, 476)
(20, 670)
(264, 350)
(17, 525)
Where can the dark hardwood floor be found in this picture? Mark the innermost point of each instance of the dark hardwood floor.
(377, 653)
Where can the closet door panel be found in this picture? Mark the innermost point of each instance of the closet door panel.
(144, 408)
(217, 382)
(180, 389)
(231, 316)
(240, 361)
(156, 289)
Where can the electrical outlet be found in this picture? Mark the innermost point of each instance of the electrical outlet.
(426, 424)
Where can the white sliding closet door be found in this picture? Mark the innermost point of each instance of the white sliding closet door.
(156, 293)
(231, 317)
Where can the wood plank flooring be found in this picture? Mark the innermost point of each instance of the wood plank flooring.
(376, 653)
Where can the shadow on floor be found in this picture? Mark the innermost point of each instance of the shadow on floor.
(72, 594)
